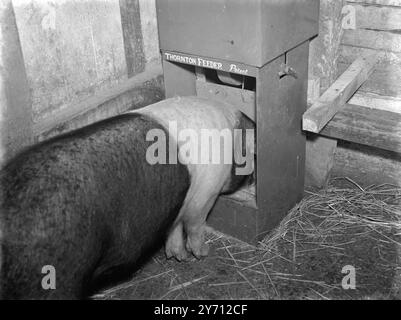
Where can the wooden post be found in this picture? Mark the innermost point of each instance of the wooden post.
(15, 103)
(323, 65)
(133, 39)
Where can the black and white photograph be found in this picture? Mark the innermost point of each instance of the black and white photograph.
(202, 155)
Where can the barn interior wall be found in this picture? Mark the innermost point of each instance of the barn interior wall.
(15, 105)
(372, 26)
(74, 50)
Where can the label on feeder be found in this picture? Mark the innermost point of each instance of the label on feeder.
(209, 63)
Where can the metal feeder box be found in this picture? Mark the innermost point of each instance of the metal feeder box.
(254, 55)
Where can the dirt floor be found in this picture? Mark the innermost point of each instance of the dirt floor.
(343, 225)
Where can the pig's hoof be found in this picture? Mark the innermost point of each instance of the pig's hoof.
(199, 250)
(179, 253)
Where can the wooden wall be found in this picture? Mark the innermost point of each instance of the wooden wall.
(74, 50)
(65, 64)
(15, 104)
(376, 28)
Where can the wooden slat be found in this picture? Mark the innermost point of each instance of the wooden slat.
(385, 80)
(367, 166)
(375, 128)
(138, 91)
(373, 39)
(15, 101)
(394, 3)
(375, 101)
(133, 38)
(348, 54)
(338, 94)
(379, 18)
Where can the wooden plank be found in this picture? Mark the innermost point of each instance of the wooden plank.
(373, 39)
(379, 18)
(15, 100)
(133, 38)
(313, 90)
(138, 91)
(375, 128)
(244, 100)
(367, 166)
(393, 3)
(338, 94)
(375, 101)
(384, 80)
(349, 54)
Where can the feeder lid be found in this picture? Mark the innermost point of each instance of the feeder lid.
(252, 32)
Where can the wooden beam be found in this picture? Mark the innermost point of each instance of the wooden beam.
(133, 38)
(136, 92)
(366, 126)
(324, 53)
(325, 108)
(367, 166)
(15, 101)
(375, 101)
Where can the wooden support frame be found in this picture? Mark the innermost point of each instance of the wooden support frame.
(326, 107)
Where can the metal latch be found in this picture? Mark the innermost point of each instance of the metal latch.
(286, 70)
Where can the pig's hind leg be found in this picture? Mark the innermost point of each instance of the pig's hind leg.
(206, 186)
(191, 222)
(194, 221)
(175, 245)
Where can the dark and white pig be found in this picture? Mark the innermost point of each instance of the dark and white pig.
(92, 206)
(190, 117)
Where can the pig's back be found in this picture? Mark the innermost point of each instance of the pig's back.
(84, 201)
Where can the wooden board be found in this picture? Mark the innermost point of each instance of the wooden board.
(373, 39)
(385, 80)
(377, 28)
(376, 17)
(395, 3)
(133, 38)
(367, 166)
(376, 101)
(382, 90)
(138, 91)
(323, 110)
(375, 128)
(15, 100)
(349, 53)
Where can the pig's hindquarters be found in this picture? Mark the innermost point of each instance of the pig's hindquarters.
(207, 180)
(85, 203)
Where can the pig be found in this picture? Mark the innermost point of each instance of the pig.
(84, 203)
(208, 179)
(93, 206)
